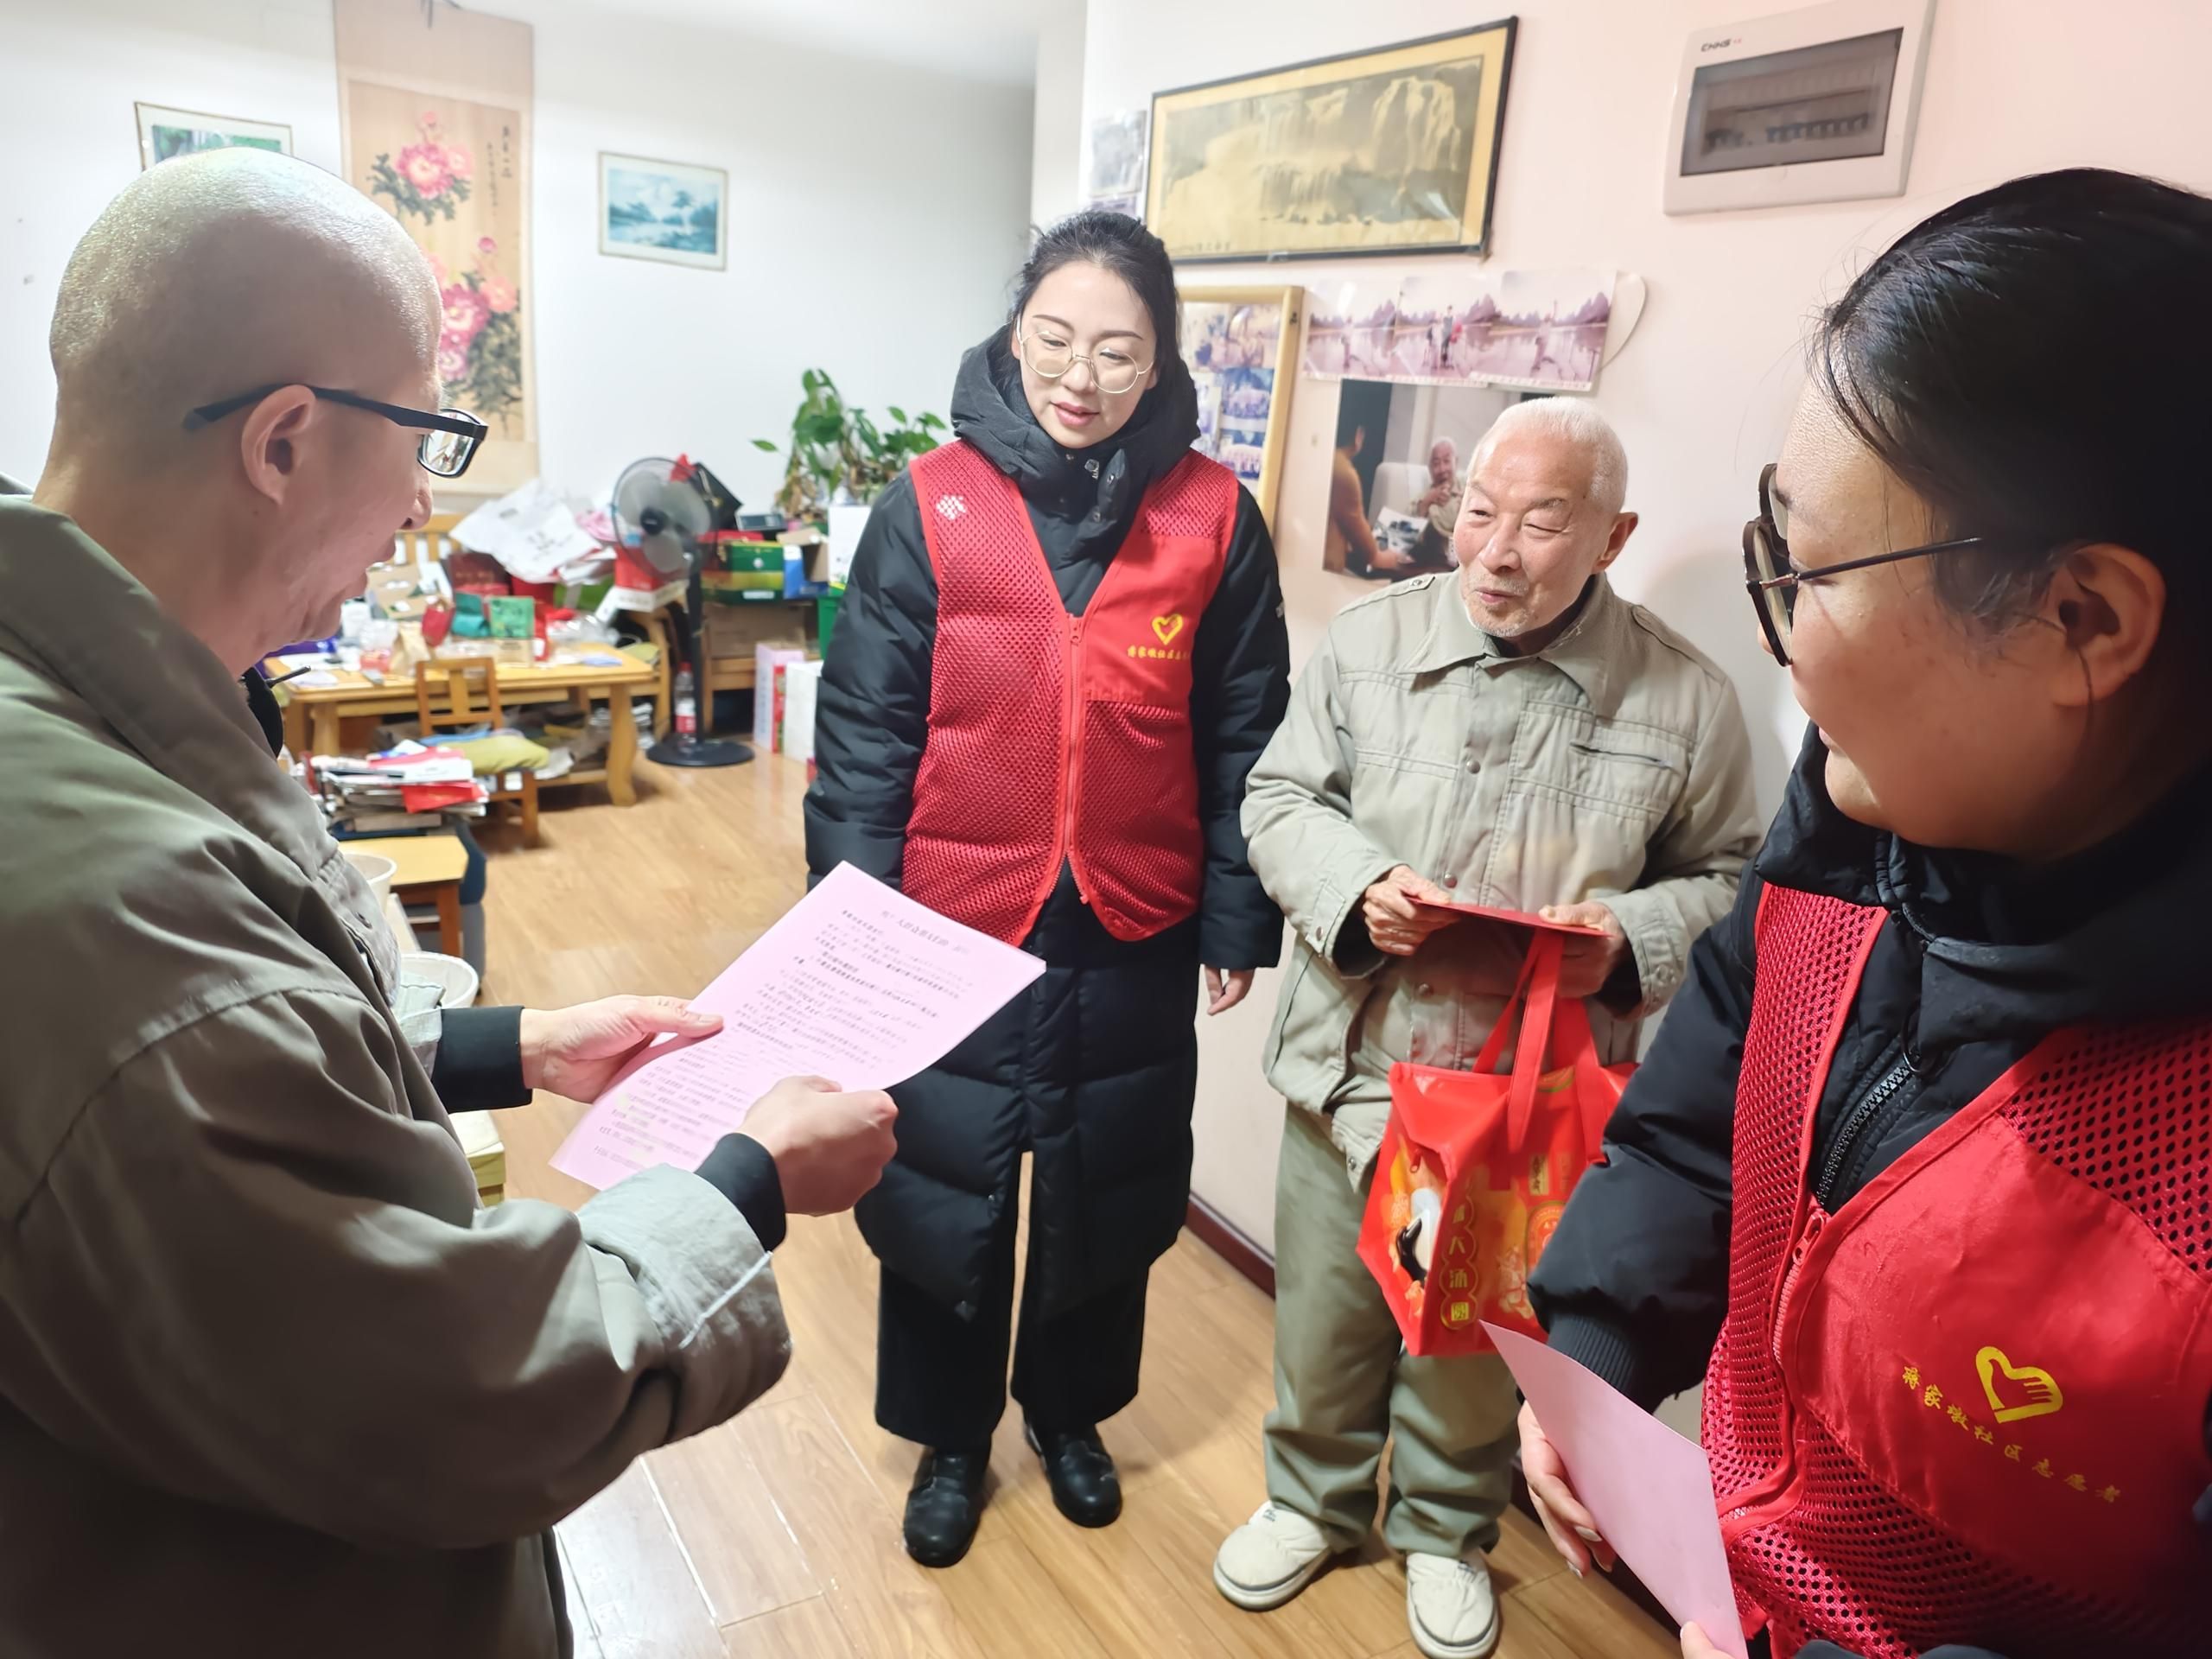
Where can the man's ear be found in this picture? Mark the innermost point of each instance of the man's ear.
(1624, 525)
(269, 441)
(2108, 604)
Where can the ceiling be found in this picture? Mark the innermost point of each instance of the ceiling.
(983, 39)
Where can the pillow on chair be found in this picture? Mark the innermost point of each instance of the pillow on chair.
(501, 751)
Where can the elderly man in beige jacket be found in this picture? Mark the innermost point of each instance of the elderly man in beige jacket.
(1514, 736)
(270, 1383)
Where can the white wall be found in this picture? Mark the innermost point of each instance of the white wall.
(877, 211)
(1701, 393)
(1055, 150)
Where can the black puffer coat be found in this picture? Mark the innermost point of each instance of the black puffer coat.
(1979, 961)
(1096, 1068)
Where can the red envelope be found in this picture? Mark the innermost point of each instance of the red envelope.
(1515, 918)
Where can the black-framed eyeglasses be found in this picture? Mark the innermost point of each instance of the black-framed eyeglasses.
(451, 436)
(1773, 583)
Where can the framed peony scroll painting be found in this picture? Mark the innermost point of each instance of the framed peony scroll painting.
(435, 116)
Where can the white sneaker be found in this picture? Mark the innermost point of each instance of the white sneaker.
(1269, 1558)
(1450, 1607)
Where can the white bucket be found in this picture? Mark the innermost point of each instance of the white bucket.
(456, 980)
(377, 870)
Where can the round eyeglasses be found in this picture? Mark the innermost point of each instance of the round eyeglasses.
(1051, 356)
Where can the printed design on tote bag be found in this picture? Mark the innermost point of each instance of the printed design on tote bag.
(1417, 1185)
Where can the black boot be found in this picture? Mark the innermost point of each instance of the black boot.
(945, 1505)
(1081, 1473)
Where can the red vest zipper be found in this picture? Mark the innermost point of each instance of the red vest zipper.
(1071, 756)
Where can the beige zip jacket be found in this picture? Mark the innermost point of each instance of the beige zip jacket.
(1613, 766)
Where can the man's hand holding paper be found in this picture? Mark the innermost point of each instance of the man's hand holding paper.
(856, 982)
(830, 1146)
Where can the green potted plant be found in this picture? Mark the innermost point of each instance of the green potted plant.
(839, 454)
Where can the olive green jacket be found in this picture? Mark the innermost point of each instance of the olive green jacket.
(270, 1382)
(1613, 766)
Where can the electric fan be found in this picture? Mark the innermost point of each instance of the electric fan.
(661, 508)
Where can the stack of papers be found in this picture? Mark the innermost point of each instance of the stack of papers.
(412, 781)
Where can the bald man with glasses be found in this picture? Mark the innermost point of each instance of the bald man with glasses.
(270, 1382)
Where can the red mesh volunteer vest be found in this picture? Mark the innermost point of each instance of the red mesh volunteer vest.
(1055, 737)
(1969, 1405)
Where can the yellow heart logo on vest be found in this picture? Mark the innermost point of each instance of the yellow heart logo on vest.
(2037, 1388)
(1167, 627)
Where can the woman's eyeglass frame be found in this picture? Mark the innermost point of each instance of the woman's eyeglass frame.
(457, 422)
(1097, 378)
(1773, 586)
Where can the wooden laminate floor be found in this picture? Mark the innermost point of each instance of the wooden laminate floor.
(776, 1537)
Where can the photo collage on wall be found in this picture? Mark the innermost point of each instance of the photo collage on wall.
(1233, 341)
(1536, 330)
(1233, 351)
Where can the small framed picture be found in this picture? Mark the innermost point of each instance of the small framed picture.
(163, 133)
(1242, 347)
(668, 211)
(1812, 105)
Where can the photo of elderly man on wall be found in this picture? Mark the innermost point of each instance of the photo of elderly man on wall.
(1398, 476)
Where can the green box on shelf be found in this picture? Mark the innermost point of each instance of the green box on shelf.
(511, 618)
(743, 587)
(742, 553)
(826, 616)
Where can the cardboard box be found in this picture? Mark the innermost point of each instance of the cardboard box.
(734, 631)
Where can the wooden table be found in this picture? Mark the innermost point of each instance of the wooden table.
(430, 871)
(313, 713)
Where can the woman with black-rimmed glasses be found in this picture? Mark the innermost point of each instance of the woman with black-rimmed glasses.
(1918, 1178)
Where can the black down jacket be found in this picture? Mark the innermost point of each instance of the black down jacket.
(1979, 960)
(1096, 1068)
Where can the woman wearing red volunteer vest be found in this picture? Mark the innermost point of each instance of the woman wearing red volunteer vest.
(1919, 1176)
(1060, 653)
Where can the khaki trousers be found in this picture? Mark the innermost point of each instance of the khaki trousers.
(1345, 1385)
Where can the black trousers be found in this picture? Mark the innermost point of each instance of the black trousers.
(940, 1380)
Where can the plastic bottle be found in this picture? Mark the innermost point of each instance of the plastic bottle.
(687, 704)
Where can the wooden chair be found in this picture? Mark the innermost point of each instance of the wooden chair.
(457, 685)
(427, 546)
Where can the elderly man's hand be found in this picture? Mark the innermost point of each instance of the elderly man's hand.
(576, 1051)
(1586, 964)
(1392, 910)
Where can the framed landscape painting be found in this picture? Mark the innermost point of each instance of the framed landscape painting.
(663, 210)
(164, 132)
(1392, 150)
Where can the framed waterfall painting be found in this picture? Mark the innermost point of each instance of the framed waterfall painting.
(1388, 151)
